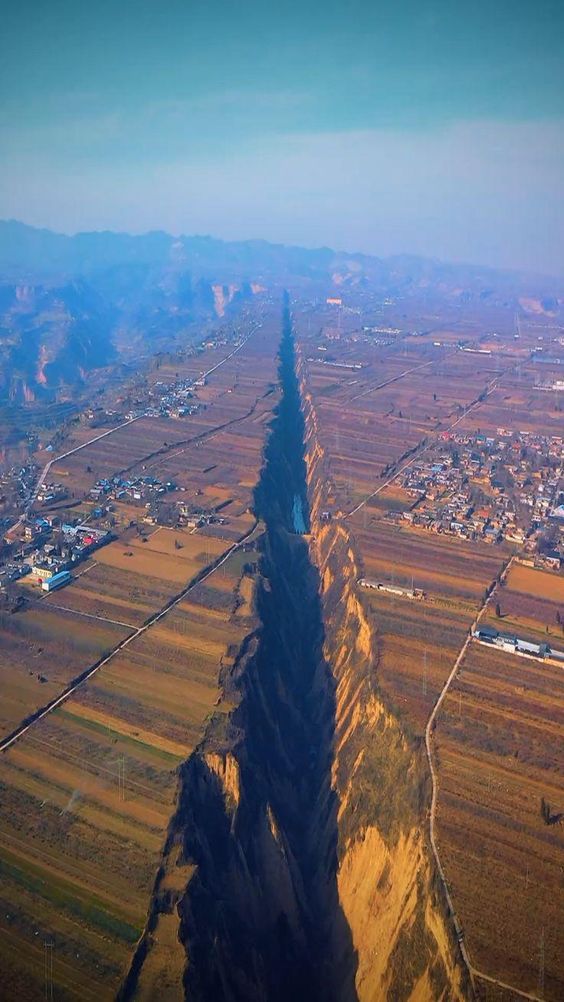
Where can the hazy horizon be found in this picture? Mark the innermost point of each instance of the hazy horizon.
(419, 129)
(454, 262)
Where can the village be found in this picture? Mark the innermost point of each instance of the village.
(174, 399)
(508, 487)
(50, 543)
(150, 493)
(51, 549)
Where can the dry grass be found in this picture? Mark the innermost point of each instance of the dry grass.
(539, 583)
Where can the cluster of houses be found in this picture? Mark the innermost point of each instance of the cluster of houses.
(193, 516)
(170, 400)
(12, 571)
(136, 490)
(491, 488)
(153, 495)
(175, 399)
(49, 493)
(17, 484)
(515, 645)
(62, 549)
(51, 551)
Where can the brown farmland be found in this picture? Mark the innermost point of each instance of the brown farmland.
(89, 790)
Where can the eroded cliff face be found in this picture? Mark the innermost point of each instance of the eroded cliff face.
(261, 916)
(296, 866)
(387, 888)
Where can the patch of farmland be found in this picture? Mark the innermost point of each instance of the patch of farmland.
(500, 749)
(417, 644)
(118, 593)
(88, 793)
(439, 564)
(147, 561)
(117, 451)
(183, 545)
(539, 583)
(41, 650)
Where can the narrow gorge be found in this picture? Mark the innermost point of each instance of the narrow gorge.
(296, 865)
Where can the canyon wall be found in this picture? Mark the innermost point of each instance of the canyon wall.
(296, 865)
(387, 886)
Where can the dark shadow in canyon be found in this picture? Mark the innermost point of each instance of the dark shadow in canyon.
(261, 917)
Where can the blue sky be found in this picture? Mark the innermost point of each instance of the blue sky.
(434, 128)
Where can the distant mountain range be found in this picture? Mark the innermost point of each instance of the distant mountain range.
(43, 254)
(71, 304)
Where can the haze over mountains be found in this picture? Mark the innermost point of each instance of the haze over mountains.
(73, 304)
(27, 249)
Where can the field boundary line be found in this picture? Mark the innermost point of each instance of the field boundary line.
(474, 972)
(177, 448)
(199, 578)
(392, 379)
(88, 615)
(491, 386)
(89, 568)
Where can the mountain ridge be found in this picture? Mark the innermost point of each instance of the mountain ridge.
(29, 247)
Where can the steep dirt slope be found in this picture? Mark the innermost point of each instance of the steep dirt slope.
(387, 887)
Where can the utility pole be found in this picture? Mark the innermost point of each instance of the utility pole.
(425, 672)
(48, 969)
(121, 778)
(541, 965)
